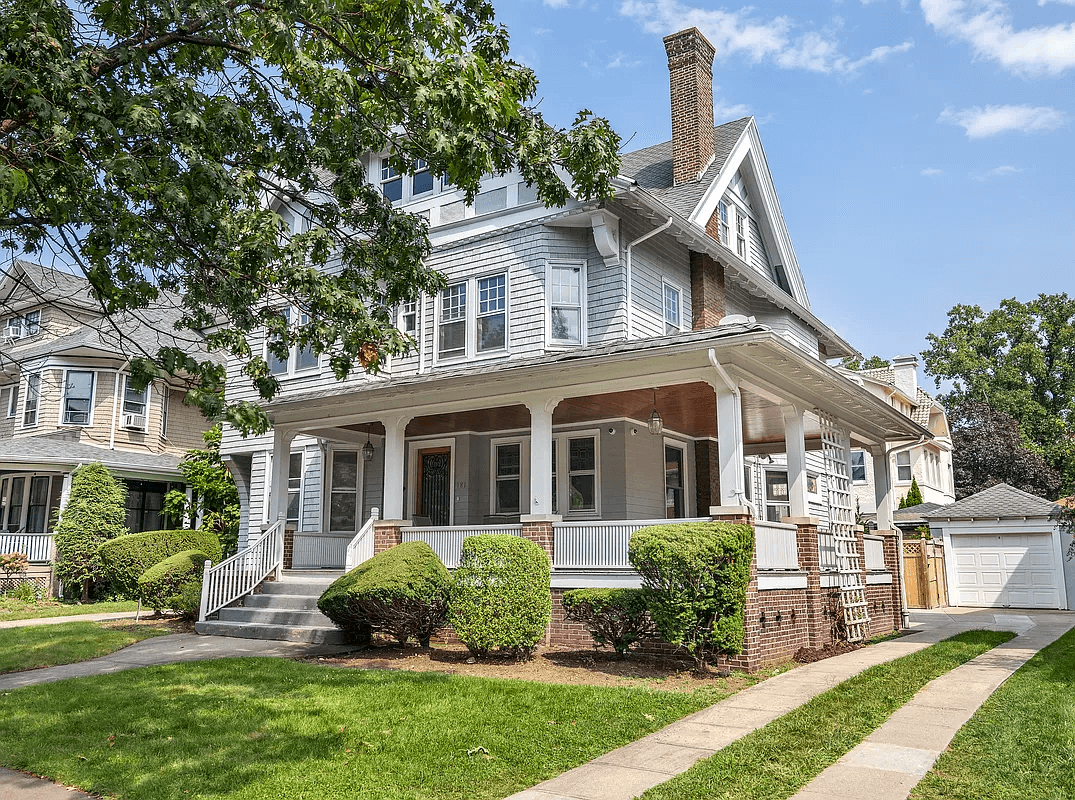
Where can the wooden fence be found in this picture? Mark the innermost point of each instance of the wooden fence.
(923, 572)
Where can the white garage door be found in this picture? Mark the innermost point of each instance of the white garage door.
(1013, 570)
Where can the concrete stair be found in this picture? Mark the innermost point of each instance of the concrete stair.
(283, 610)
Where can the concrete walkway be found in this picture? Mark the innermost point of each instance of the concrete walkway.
(629, 771)
(25, 623)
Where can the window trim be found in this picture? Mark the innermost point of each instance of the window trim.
(93, 399)
(567, 344)
(524, 473)
(301, 453)
(470, 350)
(667, 285)
(13, 399)
(851, 462)
(7, 485)
(563, 475)
(909, 465)
(165, 397)
(291, 365)
(767, 502)
(123, 405)
(413, 447)
(360, 488)
(36, 377)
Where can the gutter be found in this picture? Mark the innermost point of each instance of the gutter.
(627, 267)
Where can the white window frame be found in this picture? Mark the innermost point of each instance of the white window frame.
(776, 503)
(865, 476)
(666, 287)
(389, 175)
(420, 166)
(360, 488)
(300, 490)
(741, 245)
(9, 410)
(36, 377)
(165, 392)
(524, 473)
(401, 319)
(909, 465)
(146, 394)
(567, 344)
(472, 302)
(725, 230)
(291, 366)
(563, 476)
(684, 473)
(93, 399)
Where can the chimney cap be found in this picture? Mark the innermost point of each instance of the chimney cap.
(904, 360)
(692, 36)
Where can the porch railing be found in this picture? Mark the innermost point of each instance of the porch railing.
(37, 547)
(875, 553)
(360, 548)
(240, 574)
(447, 543)
(826, 552)
(776, 545)
(600, 544)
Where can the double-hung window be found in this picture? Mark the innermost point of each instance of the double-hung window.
(725, 234)
(391, 182)
(164, 412)
(566, 292)
(740, 234)
(777, 502)
(858, 466)
(298, 358)
(508, 463)
(673, 309)
(33, 395)
(903, 466)
(31, 323)
(78, 397)
(422, 179)
(135, 405)
(294, 488)
(582, 473)
(469, 328)
(408, 319)
(13, 400)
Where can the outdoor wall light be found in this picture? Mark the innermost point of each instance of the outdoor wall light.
(656, 424)
(367, 448)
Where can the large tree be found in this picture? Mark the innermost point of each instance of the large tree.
(1020, 360)
(144, 144)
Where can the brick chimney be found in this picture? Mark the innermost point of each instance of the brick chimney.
(690, 75)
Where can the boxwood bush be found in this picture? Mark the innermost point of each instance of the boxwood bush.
(402, 591)
(616, 617)
(125, 558)
(175, 583)
(500, 594)
(696, 575)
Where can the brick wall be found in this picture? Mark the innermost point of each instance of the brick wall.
(289, 548)
(386, 534)
(538, 529)
(707, 472)
(707, 291)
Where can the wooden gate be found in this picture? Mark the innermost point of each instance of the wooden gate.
(923, 573)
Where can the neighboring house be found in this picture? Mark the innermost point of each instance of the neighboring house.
(929, 460)
(586, 369)
(66, 400)
(1003, 548)
(913, 518)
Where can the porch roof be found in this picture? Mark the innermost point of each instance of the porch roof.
(29, 452)
(770, 371)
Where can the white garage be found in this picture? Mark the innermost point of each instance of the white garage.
(1003, 550)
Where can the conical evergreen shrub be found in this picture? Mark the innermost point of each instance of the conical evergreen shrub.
(95, 512)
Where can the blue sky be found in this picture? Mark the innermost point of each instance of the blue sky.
(922, 151)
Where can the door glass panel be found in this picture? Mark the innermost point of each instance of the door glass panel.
(435, 493)
(343, 503)
(673, 482)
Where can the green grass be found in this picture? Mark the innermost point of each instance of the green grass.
(1021, 743)
(270, 728)
(10, 608)
(51, 645)
(776, 761)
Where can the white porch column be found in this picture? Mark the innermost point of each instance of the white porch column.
(281, 461)
(882, 488)
(795, 447)
(540, 455)
(395, 429)
(730, 446)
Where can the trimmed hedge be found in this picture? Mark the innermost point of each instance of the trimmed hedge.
(125, 558)
(696, 574)
(175, 583)
(402, 591)
(616, 617)
(500, 594)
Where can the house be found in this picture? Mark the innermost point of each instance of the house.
(588, 370)
(66, 400)
(1003, 548)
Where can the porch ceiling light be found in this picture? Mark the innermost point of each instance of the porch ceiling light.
(656, 424)
(367, 448)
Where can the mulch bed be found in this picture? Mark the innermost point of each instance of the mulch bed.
(808, 655)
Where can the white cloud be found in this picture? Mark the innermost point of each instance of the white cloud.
(725, 113)
(557, 3)
(542, 31)
(989, 121)
(987, 26)
(930, 172)
(1062, 2)
(741, 34)
(997, 172)
(622, 61)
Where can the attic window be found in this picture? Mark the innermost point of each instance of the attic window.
(780, 275)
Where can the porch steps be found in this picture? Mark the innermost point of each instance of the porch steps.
(284, 610)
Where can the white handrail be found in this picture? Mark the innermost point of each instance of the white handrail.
(37, 547)
(360, 549)
(241, 573)
(599, 544)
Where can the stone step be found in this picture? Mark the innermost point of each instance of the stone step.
(280, 633)
(309, 588)
(298, 602)
(274, 616)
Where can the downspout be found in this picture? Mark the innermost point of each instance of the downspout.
(627, 266)
(740, 493)
(905, 615)
(115, 405)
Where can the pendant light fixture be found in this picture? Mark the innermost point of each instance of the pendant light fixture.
(656, 424)
(367, 448)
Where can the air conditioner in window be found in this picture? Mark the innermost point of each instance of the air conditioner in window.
(134, 422)
(12, 332)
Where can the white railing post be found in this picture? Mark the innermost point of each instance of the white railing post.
(205, 590)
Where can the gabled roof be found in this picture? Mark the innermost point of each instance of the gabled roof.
(651, 168)
(923, 401)
(997, 502)
(46, 285)
(923, 406)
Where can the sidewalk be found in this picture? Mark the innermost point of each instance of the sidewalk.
(629, 771)
(25, 623)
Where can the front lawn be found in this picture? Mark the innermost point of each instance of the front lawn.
(269, 728)
(11, 608)
(779, 759)
(1021, 742)
(52, 645)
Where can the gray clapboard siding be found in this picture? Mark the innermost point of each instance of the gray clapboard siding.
(759, 258)
(643, 472)
(651, 262)
(373, 481)
(310, 502)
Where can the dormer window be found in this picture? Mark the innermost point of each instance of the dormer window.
(391, 182)
(29, 324)
(725, 233)
(740, 234)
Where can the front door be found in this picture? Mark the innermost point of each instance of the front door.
(434, 500)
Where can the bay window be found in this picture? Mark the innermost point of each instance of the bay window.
(492, 313)
(78, 397)
(33, 395)
(453, 320)
(135, 405)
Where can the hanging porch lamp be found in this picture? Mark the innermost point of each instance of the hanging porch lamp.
(656, 424)
(367, 448)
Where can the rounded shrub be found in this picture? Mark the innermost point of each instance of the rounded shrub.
(125, 558)
(402, 592)
(500, 594)
(696, 576)
(616, 617)
(175, 583)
